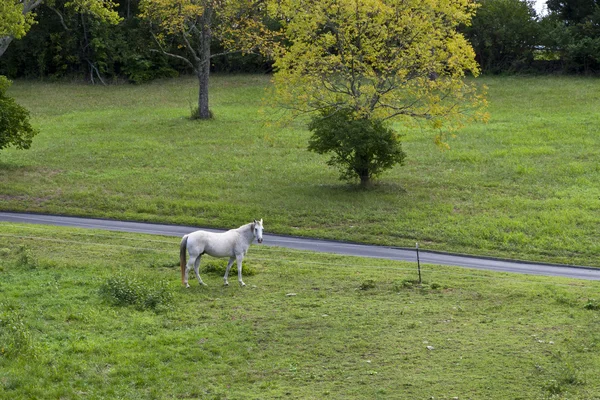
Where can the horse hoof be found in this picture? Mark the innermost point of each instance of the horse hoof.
(226, 284)
(242, 284)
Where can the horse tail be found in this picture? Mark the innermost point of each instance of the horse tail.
(182, 257)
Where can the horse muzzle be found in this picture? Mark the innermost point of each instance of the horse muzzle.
(259, 240)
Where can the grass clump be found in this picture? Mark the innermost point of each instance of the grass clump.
(122, 290)
(26, 258)
(218, 268)
(16, 339)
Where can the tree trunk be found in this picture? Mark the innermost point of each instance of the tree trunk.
(203, 70)
(365, 181)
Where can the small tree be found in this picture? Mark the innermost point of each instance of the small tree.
(382, 59)
(15, 129)
(237, 24)
(361, 148)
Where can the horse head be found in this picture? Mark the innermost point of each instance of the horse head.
(257, 229)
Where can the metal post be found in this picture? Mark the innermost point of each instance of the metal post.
(418, 262)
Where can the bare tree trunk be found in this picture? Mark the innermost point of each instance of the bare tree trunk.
(203, 70)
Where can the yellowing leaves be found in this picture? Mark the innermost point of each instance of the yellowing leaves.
(385, 59)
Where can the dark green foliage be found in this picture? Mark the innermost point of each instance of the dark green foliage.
(573, 39)
(124, 290)
(361, 148)
(15, 129)
(74, 44)
(503, 34)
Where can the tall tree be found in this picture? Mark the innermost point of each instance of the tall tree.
(573, 11)
(238, 25)
(504, 34)
(381, 59)
(17, 16)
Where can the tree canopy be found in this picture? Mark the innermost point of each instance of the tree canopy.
(383, 59)
(15, 129)
(17, 16)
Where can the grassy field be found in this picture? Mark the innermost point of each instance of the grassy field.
(526, 185)
(97, 315)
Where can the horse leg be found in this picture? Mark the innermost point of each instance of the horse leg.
(239, 258)
(229, 264)
(196, 270)
(188, 266)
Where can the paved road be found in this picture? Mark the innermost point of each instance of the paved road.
(325, 246)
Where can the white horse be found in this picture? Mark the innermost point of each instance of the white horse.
(233, 244)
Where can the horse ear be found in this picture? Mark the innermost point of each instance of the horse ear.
(261, 222)
(255, 221)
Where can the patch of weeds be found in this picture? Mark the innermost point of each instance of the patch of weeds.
(367, 285)
(405, 284)
(16, 340)
(592, 304)
(566, 376)
(164, 264)
(195, 114)
(124, 290)
(414, 284)
(26, 258)
(219, 269)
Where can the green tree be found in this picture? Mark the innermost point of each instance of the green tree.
(378, 61)
(15, 129)
(360, 148)
(572, 30)
(238, 25)
(504, 34)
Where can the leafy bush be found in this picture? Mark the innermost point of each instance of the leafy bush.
(361, 148)
(123, 290)
(15, 129)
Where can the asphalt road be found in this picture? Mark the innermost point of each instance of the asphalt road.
(325, 246)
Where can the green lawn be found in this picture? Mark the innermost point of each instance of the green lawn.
(526, 185)
(307, 326)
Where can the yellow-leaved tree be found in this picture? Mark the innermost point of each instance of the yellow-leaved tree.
(366, 63)
(238, 25)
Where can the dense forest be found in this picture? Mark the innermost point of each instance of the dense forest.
(507, 36)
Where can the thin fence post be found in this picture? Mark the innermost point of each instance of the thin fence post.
(418, 262)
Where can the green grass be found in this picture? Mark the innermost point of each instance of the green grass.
(526, 185)
(307, 326)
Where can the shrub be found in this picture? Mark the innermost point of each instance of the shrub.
(15, 129)
(123, 290)
(361, 148)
